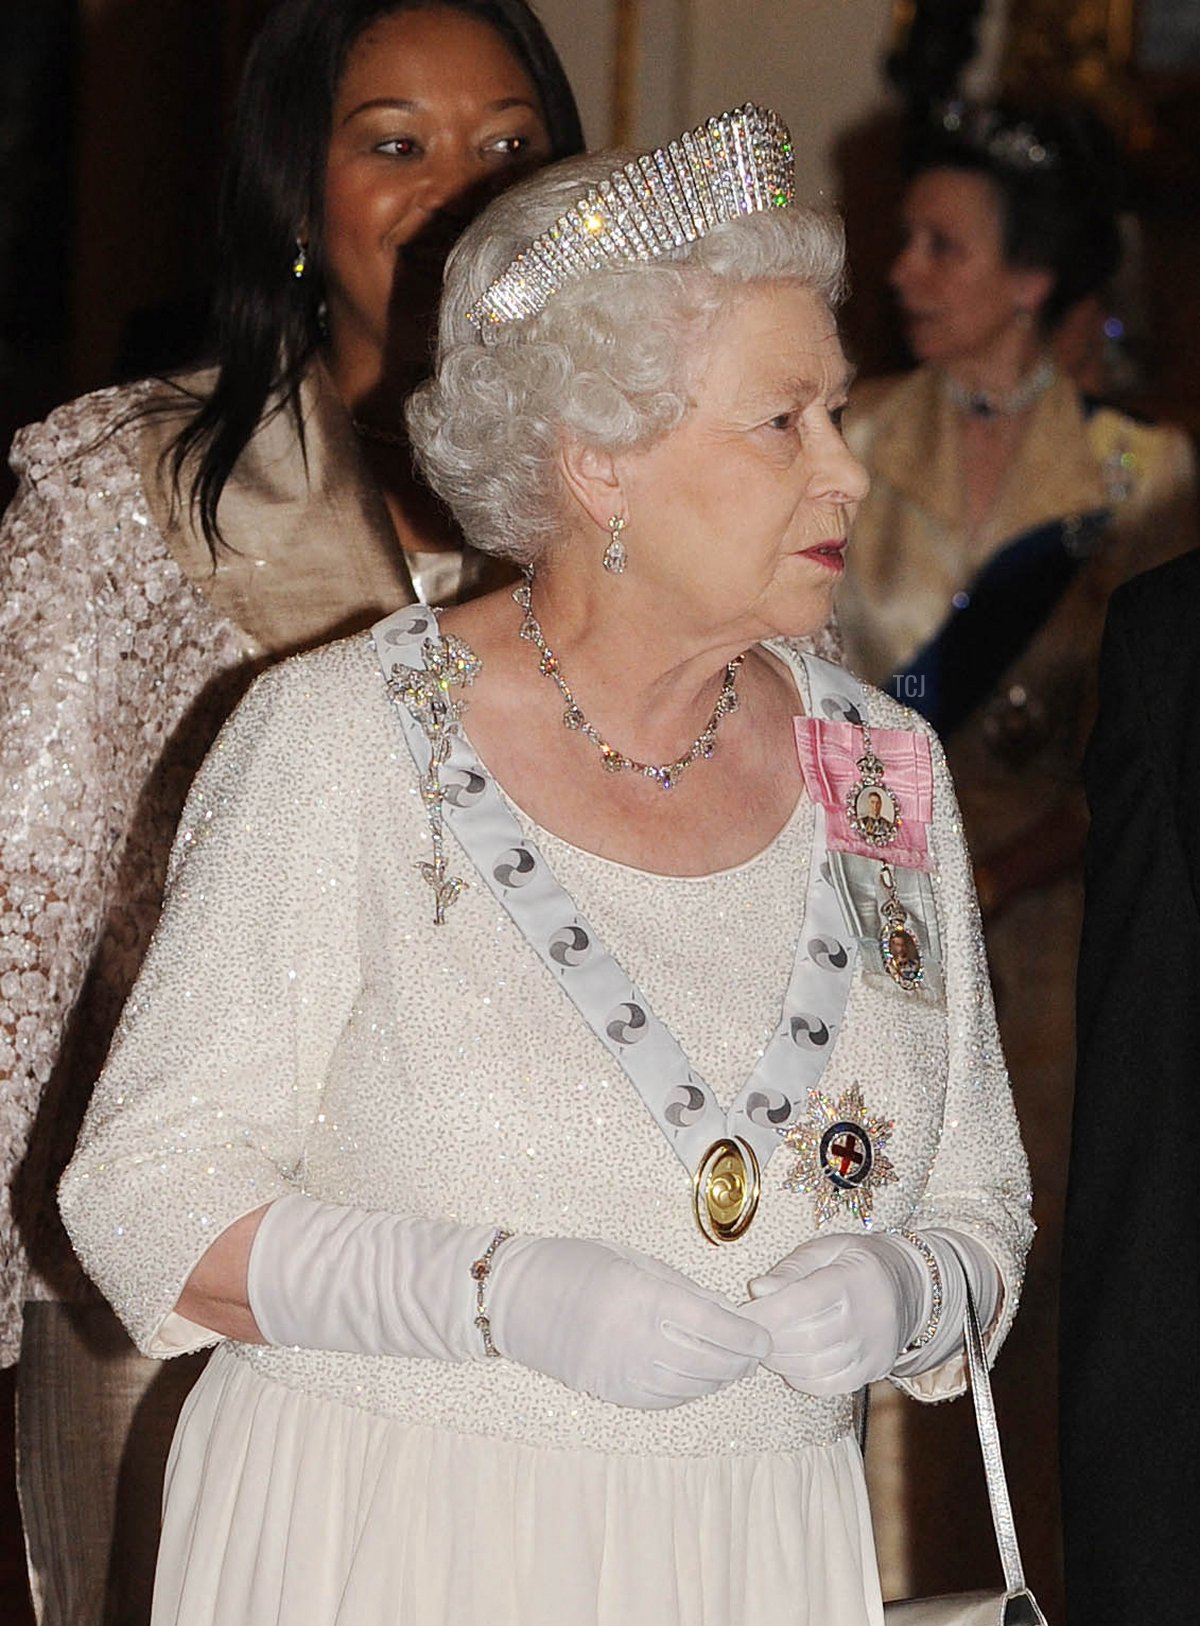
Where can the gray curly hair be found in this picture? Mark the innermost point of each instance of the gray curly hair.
(610, 361)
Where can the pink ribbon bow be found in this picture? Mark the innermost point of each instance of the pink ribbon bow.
(829, 752)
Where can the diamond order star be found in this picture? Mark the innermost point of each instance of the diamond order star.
(841, 1155)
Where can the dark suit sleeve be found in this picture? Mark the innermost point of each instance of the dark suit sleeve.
(1130, 1440)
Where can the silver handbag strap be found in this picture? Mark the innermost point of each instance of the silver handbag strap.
(1022, 1607)
(989, 1440)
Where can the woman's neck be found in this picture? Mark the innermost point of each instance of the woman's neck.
(375, 401)
(373, 378)
(1001, 371)
(648, 691)
(649, 704)
(421, 523)
(995, 395)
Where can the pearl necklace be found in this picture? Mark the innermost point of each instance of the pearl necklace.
(665, 774)
(985, 404)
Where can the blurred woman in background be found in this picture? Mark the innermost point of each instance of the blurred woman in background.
(1004, 507)
(167, 541)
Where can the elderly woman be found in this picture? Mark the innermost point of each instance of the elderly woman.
(540, 1116)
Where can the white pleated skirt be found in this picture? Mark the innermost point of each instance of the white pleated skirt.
(283, 1508)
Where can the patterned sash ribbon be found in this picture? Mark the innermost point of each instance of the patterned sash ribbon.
(513, 868)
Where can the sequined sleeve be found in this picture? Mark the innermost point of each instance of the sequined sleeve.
(103, 646)
(64, 776)
(48, 748)
(979, 1182)
(216, 1071)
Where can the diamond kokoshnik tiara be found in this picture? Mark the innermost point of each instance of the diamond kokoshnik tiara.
(737, 164)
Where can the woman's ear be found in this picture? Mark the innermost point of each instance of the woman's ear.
(1032, 287)
(592, 480)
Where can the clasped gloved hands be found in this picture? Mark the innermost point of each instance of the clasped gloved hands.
(840, 1309)
(601, 1318)
(617, 1324)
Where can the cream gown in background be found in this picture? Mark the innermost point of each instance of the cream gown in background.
(1124, 491)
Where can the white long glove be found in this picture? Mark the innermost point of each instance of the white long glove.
(842, 1309)
(609, 1322)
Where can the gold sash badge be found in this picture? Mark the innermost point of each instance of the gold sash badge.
(725, 1190)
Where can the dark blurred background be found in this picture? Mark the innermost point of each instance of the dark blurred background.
(111, 126)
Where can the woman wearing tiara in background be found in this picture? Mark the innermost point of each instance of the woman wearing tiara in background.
(169, 540)
(446, 1101)
(1004, 507)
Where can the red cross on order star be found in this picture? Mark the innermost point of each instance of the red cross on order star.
(846, 1153)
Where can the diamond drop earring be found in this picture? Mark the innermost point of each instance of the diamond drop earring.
(615, 555)
(300, 259)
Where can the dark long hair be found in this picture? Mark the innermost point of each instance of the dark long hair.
(1056, 173)
(266, 321)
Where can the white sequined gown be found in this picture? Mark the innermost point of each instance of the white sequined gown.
(301, 1024)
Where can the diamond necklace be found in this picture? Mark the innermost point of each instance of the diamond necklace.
(665, 774)
(1010, 404)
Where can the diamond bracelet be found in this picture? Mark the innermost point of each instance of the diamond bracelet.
(481, 1270)
(936, 1296)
